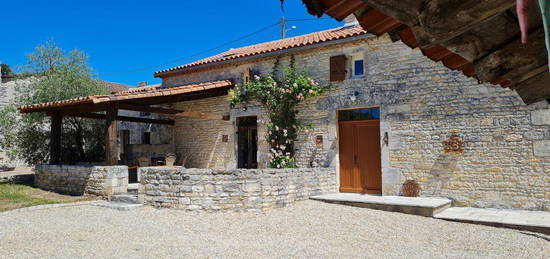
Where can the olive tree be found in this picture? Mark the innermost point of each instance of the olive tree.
(54, 75)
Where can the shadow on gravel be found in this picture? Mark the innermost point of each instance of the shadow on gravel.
(541, 236)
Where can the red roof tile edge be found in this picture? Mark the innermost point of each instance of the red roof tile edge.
(266, 47)
(136, 93)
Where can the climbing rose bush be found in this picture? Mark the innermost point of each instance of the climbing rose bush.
(280, 95)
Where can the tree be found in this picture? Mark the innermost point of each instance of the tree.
(6, 70)
(57, 75)
(279, 94)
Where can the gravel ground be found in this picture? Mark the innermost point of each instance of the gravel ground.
(305, 229)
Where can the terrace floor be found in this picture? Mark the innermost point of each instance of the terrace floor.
(305, 229)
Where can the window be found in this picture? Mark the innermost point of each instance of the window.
(359, 114)
(146, 138)
(358, 68)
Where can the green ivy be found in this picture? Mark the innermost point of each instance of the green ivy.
(279, 95)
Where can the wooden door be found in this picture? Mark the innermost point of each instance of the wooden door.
(247, 143)
(360, 156)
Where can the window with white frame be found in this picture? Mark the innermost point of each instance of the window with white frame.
(358, 66)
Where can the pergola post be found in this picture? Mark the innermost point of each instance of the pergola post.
(111, 145)
(55, 137)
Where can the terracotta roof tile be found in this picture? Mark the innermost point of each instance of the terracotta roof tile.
(135, 93)
(298, 41)
(115, 87)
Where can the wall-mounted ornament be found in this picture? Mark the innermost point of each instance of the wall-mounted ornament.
(319, 140)
(225, 138)
(410, 188)
(454, 144)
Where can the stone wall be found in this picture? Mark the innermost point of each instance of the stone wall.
(212, 189)
(82, 180)
(506, 162)
(8, 91)
(160, 134)
(199, 142)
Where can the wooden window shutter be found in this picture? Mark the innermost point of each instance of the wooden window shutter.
(338, 68)
(247, 74)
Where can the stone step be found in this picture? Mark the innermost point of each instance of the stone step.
(133, 188)
(125, 198)
(410, 205)
(535, 221)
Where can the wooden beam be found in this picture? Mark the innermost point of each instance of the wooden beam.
(121, 118)
(532, 73)
(55, 137)
(476, 43)
(111, 145)
(202, 115)
(514, 60)
(144, 108)
(535, 89)
(441, 20)
(406, 11)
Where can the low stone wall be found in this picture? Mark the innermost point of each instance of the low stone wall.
(82, 179)
(232, 189)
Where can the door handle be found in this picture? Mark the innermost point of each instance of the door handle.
(355, 159)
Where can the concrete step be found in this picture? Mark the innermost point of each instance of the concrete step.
(123, 206)
(125, 198)
(133, 188)
(410, 205)
(535, 221)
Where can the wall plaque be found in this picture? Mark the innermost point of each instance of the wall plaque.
(454, 144)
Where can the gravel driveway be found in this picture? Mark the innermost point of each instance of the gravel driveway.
(305, 229)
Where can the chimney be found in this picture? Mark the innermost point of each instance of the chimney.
(350, 21)
(142, 84)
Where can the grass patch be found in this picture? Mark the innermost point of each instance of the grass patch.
(15, 196)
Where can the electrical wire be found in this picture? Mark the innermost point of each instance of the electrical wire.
(209, 50)
(195, 54)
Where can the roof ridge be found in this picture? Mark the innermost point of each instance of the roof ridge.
(275, 45)
(298, 36)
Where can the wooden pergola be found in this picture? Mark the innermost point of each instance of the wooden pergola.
(106, 107)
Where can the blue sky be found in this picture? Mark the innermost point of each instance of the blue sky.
(122, 36)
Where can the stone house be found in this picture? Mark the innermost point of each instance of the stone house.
(391, 115)
(401, 115)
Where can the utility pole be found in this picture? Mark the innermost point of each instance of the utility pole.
(283, 27)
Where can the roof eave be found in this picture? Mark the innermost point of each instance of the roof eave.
(267, 54)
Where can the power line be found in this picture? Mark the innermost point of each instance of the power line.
(195, 54)
(307, 19)
(211, 49)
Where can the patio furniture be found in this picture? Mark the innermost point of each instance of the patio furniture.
(143, 161)
(170, 160)
(158, 161)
